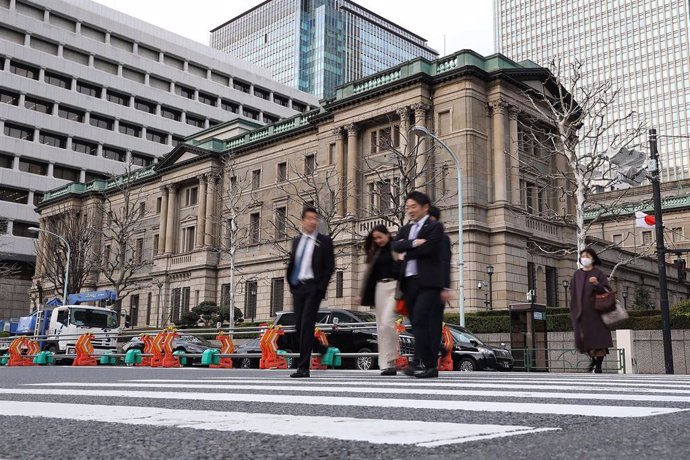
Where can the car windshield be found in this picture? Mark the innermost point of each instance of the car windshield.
(364, 317)
(94, 318)
(464, 336)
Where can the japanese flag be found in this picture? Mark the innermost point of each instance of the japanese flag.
(644, 220)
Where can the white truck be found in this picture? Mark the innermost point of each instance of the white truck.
(58, 327)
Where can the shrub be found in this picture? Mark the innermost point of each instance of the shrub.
(188, 319)
(681, 308)
(225, 315)
(208, 311)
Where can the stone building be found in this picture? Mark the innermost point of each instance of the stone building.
(228, 184)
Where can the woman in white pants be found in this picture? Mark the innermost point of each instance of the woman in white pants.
(378, 290)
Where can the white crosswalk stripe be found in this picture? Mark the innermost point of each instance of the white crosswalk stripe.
(608, 396)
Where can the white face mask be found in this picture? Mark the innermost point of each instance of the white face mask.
(586, 261)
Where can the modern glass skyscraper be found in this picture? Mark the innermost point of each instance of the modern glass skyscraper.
(316, 45)
(639, 46)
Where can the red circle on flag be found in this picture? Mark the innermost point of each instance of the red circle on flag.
(649, 220)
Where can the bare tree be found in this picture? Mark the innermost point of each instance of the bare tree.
(123, 210)
(237, 198)
(566, 151)
(312, 185)
(75, 226)
(399, 163)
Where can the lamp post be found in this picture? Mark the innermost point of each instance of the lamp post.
(566, 285)
(69, 254)
(625, 298)
(490, 272)
(421, 131)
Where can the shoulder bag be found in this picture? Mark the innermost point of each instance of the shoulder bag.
(605, 302)
(615, 316)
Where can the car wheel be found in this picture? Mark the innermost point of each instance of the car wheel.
(364, 363)
(245, 363)
(467, 365)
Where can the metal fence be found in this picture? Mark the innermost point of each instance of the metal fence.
(564, 360)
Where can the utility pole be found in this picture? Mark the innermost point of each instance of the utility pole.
(660, 251)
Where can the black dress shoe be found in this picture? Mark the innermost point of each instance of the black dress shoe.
(428, 373)
(389, 371)
(301, 373)
(410, 370)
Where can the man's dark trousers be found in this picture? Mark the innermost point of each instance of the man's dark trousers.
(306, 298)
(426, 315)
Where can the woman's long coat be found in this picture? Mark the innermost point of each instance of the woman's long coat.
(590, 331)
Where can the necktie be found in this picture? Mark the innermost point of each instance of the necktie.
(294, 276)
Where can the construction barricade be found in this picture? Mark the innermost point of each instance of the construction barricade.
(445, 361)
(227, 347)
(402, 361)
(269, 349)
(22, 351)
(84, 351)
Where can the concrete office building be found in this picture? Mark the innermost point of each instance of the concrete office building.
(316, 45)
(85, 90)
(640, 47)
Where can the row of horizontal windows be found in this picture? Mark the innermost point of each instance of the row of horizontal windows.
(27, 133)
(19, 228)
(137, 75)
(120, 98)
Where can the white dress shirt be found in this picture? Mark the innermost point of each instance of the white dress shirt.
(411, 266)
(306, 272)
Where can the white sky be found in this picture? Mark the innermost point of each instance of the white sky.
(463, 23)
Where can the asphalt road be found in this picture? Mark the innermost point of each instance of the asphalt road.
(193, 413)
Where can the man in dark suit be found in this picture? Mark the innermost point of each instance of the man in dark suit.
(421, 241)
(309, 271)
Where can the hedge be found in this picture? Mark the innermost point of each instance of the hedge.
(558, 320)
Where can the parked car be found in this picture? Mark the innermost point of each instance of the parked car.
(185, 342)
(471, 354)
(348, 340)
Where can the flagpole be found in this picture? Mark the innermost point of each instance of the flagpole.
(660, 252)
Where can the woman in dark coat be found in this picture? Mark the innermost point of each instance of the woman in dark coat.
(378, 291)
(591, 334)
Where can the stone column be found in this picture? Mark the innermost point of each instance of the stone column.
(420, 111)
(352, 164)
(339, 134)
(404, 114)
(170, 227)
(210, 210)
(163, 225)
(201, 212)
(500, 178)
(513, 113)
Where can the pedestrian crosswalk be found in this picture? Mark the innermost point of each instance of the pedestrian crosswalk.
(364, 407)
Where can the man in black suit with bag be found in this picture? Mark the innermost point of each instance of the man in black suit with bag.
(309, 271)
(422, 281)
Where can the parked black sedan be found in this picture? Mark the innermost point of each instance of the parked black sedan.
(471, 354)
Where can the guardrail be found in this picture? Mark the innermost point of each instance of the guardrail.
(563, 360)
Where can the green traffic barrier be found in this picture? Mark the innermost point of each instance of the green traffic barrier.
(133, 357)
(210, 356)
(331, 357)
(4, 359)
(181, 354)
(44, 358)
(108, 360)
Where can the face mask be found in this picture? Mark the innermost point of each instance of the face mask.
(586, 261)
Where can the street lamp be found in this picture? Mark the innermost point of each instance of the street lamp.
(69, 254)
(490, 272)
(566, 285)
(625, 298)
(421, 131)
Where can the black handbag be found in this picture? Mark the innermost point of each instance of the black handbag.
(605, 302)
